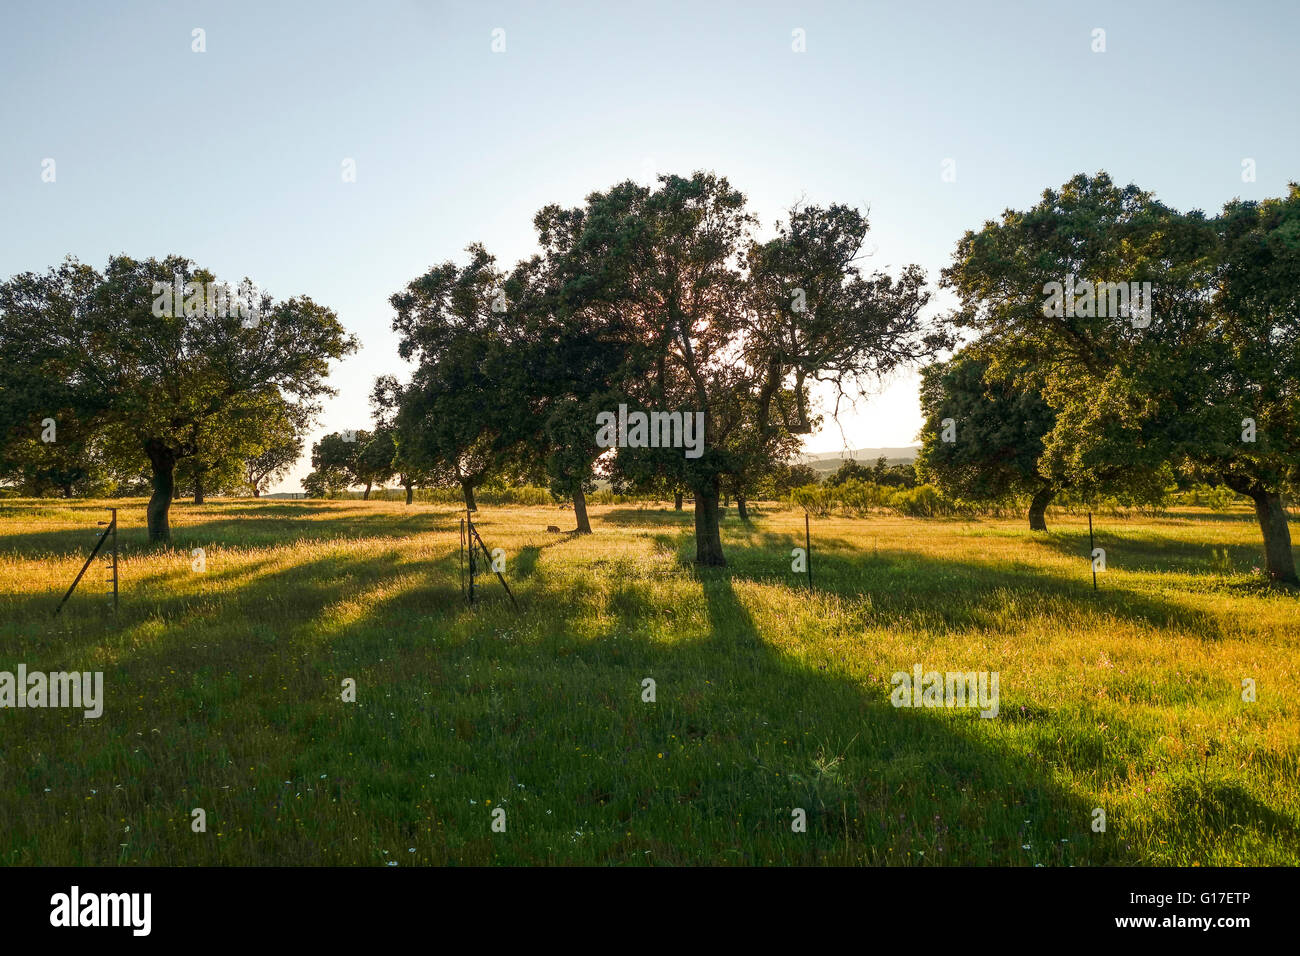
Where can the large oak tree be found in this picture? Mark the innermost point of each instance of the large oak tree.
(737, 329)
(1207, 381)
(154, 377)
(659, 298)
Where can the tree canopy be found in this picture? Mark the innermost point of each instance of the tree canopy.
(650, 301)
(1204, 378)
(119, 355)
(982, 439)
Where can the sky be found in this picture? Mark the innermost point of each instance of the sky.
(935, 116)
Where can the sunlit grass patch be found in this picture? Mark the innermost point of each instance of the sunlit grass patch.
(223, 691)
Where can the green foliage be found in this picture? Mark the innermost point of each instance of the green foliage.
(860, 497)
(849, 470)
(279, 446)
(786, 476)
(74, 464)
(1216, 498)
(817, 500)
(924, 501)
(658, 297)
(373, 463)
(342, 459)
(1220, 347)
(999, 426)
(458, 420)
(155, 379)
(325, 483)
(491, 495)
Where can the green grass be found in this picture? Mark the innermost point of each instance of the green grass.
(223, 692)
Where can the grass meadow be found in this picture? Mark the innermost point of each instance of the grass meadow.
(223, 691)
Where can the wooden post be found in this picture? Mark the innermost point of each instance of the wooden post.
(807, 541)
(500, 577)
(114, 526)
(99, 543)
(469, 524)
(1092, 552)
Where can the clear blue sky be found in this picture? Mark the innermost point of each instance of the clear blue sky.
(233, 157)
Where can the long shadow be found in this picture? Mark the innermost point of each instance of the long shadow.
(277, 601)
(968, 763)
(898, 584)
(755, 736)
(752, 732)
(647, 517)
(892, 765)
(233, 524)
(525, 560)
(789, 736)
(257, 531)
(1213, 517)
(1147, 551)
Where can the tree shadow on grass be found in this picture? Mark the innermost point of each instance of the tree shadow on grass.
(737, 737)
(755, 734)
(545, 714)
(647, 517)
(955, 755)
(889, 785)
(896, 585)
(1146, 551)
(237, 524)
(260, 531)
(266, 525)
(524, 562)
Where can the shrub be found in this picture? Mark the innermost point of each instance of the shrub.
(1216, 498)
(923, 501)
(817, 500)
(859, 497)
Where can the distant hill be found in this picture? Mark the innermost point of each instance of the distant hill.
(827, 461)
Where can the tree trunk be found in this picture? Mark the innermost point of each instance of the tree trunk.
(468, 489)
(677, 502)
(67, 491)
(1277, 536)
(257, 492)
(708, 537)
(410, 493)
(1038, 509)
(198, 487)
(584, 523)
(163, 462)
(741, 509)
